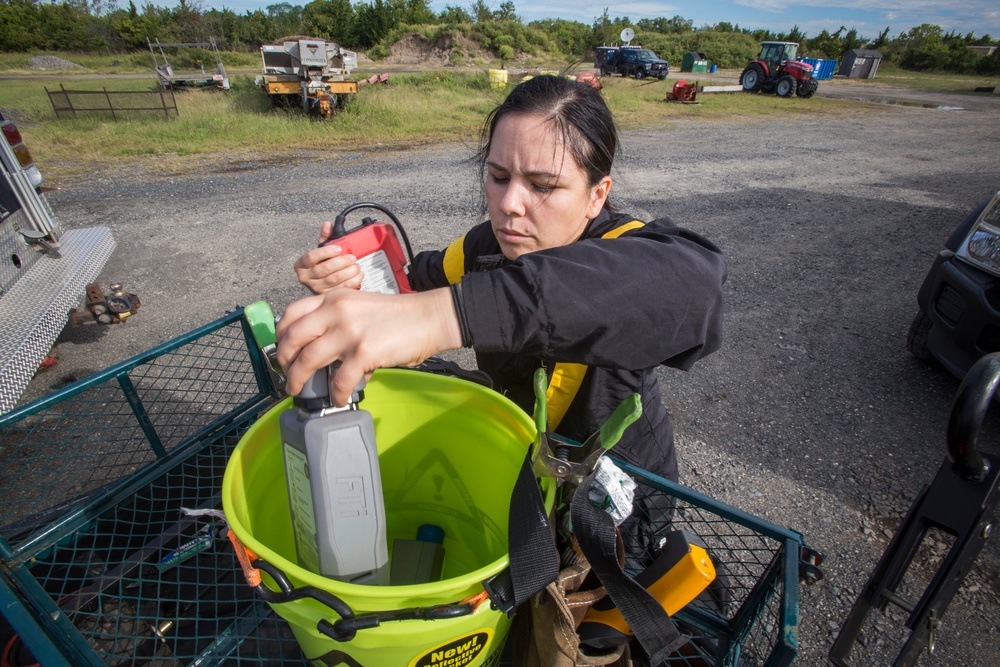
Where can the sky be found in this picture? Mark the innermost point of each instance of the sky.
(869, 17)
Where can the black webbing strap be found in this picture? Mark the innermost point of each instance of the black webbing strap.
(534, 562)
(595, 532)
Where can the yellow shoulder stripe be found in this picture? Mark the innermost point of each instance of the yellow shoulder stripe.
(454, 260)
(618, 231)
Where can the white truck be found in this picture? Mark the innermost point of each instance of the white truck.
(45, 271)
(311, 72)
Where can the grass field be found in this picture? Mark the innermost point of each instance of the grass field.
(412, 109)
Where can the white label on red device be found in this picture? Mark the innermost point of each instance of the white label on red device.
(378, 273)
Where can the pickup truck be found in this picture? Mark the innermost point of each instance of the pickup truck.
(44, 269)
(630, 61)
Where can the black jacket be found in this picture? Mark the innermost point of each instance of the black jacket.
(622, 306)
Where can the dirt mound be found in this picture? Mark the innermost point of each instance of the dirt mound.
(414, 49)
(52, 62)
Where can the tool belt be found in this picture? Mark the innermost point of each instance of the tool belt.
(546, 636)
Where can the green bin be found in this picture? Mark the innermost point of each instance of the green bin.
(694, 62)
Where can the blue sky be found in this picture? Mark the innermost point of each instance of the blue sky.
(869, 17)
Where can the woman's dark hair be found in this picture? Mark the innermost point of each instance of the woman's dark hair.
(577, 112)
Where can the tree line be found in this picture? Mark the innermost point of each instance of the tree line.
(373, 25)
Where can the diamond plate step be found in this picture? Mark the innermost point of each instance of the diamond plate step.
(35, 310)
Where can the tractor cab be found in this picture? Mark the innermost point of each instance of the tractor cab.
(776, 53)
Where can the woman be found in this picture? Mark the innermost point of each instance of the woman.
(555, 278)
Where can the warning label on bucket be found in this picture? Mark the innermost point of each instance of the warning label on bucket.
(457, 652)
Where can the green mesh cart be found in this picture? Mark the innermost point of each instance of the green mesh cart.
(100, 565)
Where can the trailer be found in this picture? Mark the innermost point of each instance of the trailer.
(113, 550)
(311, 73)
(45, 271)
(173, 80)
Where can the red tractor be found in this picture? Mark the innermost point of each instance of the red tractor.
(777, 71)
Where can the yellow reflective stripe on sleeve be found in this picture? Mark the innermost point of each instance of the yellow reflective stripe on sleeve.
(566, 377)
(454, 260)
(565, 382)
(627, 227)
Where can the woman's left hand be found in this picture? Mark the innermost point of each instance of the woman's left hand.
(365, 331)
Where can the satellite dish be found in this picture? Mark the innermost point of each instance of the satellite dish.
(627, 35)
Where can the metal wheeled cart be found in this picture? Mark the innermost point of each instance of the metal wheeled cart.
(100, 566)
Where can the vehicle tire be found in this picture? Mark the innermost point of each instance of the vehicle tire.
(605, 72)
(785, 86)
(916, 338)
(640, 73)
(807, 88)
(752, 78)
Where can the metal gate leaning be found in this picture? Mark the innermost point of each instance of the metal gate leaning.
(69, 103)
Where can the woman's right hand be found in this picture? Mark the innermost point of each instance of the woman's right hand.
(365, 331)
(322, 269)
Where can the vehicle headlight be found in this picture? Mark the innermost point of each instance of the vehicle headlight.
(981, 247)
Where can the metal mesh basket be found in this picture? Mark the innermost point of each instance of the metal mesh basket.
(101, 566)
(749, 614)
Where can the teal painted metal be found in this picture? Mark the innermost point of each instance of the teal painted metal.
(758, 563)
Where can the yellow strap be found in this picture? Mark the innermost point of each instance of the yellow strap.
(454, 260)
(565, 383)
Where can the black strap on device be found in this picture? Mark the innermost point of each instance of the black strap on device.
(596, 534)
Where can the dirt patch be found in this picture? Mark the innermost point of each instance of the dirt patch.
(52, 62)
(415, 49)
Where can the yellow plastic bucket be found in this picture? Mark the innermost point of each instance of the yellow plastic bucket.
(498, 78)
(449, 453)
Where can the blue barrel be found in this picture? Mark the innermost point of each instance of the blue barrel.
(713, 69)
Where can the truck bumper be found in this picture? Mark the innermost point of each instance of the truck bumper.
(964, 305)
(34, 311)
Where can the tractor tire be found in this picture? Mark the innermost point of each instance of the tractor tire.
(785, 86)
(640, 73)
(916, 338)
(605, 71)
(752, 78)
(807, 88)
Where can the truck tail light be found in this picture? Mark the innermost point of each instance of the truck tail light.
(16, 141)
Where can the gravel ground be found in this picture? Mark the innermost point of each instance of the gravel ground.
(813, 415)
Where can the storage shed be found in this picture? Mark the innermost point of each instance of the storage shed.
(859, 63)
(694, 62)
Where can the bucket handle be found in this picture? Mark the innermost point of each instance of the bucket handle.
(347, 627)
(344, 629)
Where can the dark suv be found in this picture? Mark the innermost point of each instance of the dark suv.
(959, 301)
(634, 61)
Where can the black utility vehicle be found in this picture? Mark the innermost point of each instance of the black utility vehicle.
(959, 317)
(630, 61)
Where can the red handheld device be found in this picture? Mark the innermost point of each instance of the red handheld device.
(378, 251)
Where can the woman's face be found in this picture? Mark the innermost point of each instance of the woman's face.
(537, 195)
